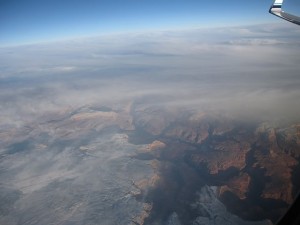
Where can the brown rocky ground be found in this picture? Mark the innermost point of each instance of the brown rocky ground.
(254, 163)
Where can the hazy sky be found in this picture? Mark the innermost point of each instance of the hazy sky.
(32, 21)
(140, 48)
(247, 70)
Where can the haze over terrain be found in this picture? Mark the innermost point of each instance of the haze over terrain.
(250, 71)
(152, 121)
(178, 126)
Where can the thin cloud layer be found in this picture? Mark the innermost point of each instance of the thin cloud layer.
(251, 71)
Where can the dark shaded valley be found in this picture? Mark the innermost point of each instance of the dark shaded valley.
(252, 165)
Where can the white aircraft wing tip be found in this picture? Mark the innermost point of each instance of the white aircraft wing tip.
(276, 10)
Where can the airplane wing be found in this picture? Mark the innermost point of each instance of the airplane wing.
(277, 11)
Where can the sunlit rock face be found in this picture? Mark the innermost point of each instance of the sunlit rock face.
(161, 128)
(238, 162)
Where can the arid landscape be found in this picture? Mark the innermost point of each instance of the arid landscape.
(143, 129)
(251, 169)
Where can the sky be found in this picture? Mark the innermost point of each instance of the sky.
(30, 21)
(199, 41)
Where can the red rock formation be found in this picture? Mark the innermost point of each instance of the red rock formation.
(155, 145)
(140, 219)
(277, 164)
(195, 133)
(223, 155)
(238, 185)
